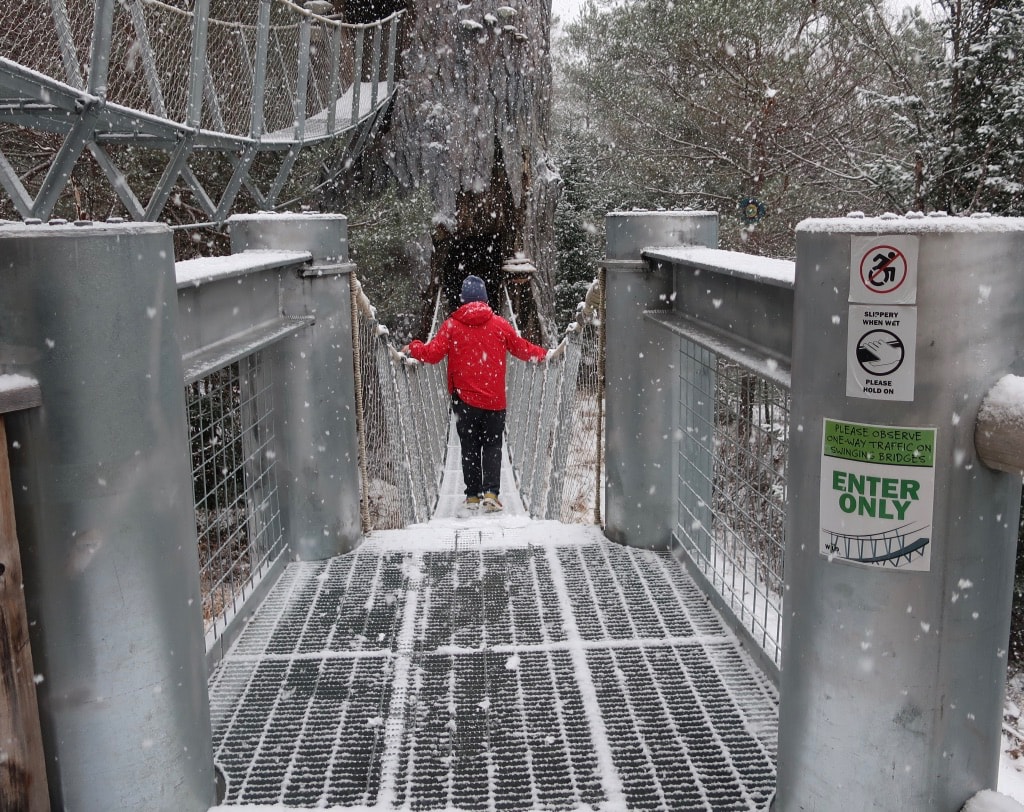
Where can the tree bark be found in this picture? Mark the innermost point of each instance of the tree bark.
(470, 124)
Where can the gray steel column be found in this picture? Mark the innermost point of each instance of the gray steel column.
(197, 63)
(257, 123)
(103, 500)
(893, 671)
(314, 384)
(99, 58)
(641, 374)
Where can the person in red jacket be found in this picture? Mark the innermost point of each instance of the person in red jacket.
(476, 340)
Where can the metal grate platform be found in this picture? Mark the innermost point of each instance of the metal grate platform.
(493, 669)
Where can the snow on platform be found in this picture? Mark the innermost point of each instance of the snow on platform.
(492, 663)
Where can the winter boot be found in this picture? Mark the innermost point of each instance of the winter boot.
(490, 502)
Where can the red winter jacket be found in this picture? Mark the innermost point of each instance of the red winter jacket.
(475, 339)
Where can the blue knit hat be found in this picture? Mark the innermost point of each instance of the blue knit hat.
(473, 290)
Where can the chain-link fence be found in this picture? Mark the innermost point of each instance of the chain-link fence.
(238, 516)
(402, 420)
(733, 450)
(555, 422)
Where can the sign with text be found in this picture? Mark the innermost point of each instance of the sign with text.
(881, 352)
(877, 494)
(883, 269)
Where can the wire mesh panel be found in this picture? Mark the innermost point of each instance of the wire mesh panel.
(143, 76)
(46, 38)
(733, 444)
(228, 94)
(555, 423)
(402, 421)
(238, 517)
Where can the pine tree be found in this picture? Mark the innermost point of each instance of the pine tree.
(979, 161)
(706, 104)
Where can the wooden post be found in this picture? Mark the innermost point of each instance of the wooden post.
(22, 765)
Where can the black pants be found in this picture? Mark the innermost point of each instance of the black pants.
(480, 433)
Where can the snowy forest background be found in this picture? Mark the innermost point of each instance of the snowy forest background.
(768, 112)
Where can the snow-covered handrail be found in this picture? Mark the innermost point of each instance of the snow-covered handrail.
(18, 392)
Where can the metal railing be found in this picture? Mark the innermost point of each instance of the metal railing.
(224, 377)
(244, 363)
(271, 69)
(238, 511)
(715, 345)
(555, 424)
(733, 429)
(234, 83)
(731, 485)
(403, 410)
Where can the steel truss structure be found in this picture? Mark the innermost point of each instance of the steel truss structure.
(172, 96)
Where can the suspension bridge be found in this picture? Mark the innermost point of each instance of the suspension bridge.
(319, 626)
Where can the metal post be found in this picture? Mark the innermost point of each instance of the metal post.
(302, 77)
(197, 65)
(392, 52)
(642, 374)
(314, 383)
(103, 502)
(259, 80)
(66, 41)
(375, 66)
(335, 85)
(357, 74)
(900, 544)
(99, 59)
(149, 67)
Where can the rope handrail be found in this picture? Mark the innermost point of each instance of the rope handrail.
(402, 422)
(553, 426)
(330, 20)
(556, 420)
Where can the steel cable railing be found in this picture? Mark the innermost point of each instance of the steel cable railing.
(403, 425)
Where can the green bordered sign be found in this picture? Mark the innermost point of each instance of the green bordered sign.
(877, 494)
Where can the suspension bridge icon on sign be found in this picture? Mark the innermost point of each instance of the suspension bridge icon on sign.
(897, 547)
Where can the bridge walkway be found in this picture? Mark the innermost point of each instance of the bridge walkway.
(492, 663)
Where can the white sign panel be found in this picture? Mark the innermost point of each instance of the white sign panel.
(881, 351)
(877, 495)
(883, 269)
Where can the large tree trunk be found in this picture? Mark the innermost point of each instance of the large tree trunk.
(470, 124)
